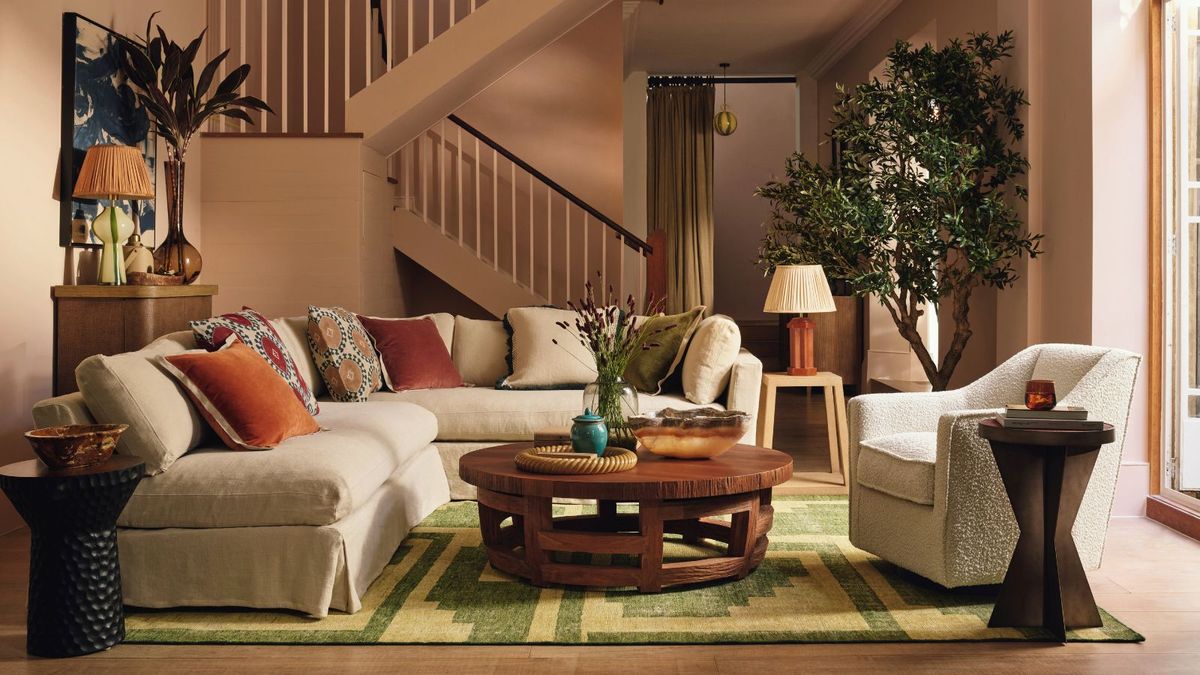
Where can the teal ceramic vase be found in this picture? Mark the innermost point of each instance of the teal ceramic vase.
(589, 433)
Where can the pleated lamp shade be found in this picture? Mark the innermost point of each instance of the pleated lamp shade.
(799, 289)
(113, 172)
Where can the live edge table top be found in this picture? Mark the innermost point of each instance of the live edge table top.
(742, 469)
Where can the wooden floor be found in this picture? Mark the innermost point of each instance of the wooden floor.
(1150, 579)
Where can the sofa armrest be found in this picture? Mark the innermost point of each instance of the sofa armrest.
(745, 383)
(62, 410)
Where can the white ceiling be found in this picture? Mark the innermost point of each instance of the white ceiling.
(757, 37)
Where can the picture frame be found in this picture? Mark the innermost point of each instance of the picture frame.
(98, 106)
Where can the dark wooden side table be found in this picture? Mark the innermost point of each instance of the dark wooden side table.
(1045, 473)
(75, 602)
(94, 319)
(673, 496)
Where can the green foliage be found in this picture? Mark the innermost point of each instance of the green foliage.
(164, 80)
(921, 207)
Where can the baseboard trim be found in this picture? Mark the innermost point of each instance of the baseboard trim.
(1175, 516)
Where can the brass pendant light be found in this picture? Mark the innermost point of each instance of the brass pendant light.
(725, 123)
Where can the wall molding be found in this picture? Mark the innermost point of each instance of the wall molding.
(847, 37)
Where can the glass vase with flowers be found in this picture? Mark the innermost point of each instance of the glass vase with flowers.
(613, 334)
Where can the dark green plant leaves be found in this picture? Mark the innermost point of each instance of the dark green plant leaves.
(922, 206)
(163, 75)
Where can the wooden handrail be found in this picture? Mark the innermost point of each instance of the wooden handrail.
(631, 240)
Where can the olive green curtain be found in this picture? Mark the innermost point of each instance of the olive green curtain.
(679, 142)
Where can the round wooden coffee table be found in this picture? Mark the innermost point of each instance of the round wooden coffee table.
(673, 496)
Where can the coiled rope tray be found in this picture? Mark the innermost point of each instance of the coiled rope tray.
(543, 460)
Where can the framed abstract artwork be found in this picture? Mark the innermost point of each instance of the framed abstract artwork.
(98, 106)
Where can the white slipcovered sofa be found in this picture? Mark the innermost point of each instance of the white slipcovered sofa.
(311, 523)
(925, 493)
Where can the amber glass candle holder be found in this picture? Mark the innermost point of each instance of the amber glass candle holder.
(1039, 395)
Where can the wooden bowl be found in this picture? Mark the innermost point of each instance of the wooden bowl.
(75, 445)
(690, 434)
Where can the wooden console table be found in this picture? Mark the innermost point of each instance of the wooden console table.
(93, 319)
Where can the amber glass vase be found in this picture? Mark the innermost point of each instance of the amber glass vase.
(175, 255)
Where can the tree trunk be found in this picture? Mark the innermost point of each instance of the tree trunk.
(905, 316)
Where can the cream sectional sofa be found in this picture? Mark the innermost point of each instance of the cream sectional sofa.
(308, 525)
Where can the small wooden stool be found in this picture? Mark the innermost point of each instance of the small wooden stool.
(835, 415)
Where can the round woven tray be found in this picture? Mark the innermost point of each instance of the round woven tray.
(542, 460)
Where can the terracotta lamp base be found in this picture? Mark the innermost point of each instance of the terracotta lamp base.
(800, 331)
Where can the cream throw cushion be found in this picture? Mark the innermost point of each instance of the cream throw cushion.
(480, 349)
(133, 389)
(710, 356)
(293, 331)
(536, 361)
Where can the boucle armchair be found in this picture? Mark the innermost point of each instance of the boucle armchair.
(925, 493)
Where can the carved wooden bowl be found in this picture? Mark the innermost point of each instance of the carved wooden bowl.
(690, 434)
(75, 445)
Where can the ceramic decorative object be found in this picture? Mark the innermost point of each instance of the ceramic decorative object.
(589, 433)
(1039, 395)
(690, 434)
(138, 258)
(75, 445)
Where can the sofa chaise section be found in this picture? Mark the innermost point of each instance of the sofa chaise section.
(305, 526)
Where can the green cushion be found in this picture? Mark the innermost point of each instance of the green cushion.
(650, 368)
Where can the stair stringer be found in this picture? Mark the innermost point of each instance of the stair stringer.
(458, 265)
(443, 75)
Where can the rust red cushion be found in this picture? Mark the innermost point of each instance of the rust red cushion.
(242, 397)
(413, 354)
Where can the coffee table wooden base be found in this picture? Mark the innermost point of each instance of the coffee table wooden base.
(524, 547)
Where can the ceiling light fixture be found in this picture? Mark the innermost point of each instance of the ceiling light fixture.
(725, 122)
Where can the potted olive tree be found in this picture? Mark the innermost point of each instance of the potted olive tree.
(920, 208)
(179, 103)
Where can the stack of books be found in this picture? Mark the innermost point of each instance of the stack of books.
(1062, 418)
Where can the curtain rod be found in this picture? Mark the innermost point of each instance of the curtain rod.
(662, 80)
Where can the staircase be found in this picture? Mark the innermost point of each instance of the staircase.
(500, 231)
(461, 62)
(465, 208)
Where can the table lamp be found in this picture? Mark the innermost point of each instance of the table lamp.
(800, 289)
(113, 172)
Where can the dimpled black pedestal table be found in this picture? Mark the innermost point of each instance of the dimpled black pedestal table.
(75, 603)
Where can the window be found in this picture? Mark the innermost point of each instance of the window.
(1181, 242)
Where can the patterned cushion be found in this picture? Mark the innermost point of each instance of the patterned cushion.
(256, 333)
(343, 354)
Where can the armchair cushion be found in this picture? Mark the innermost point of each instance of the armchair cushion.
(901, 465)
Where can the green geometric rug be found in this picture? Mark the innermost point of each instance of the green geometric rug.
(812, 587)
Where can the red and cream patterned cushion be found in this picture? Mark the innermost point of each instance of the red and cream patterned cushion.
(343, 353)
(254, 331)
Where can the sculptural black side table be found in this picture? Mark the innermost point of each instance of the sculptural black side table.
(74, 575)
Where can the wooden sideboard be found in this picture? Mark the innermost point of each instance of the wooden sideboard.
(92, 319)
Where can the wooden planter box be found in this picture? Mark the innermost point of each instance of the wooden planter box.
(838, 345)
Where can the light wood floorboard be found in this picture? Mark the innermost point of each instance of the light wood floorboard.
(1150, 579)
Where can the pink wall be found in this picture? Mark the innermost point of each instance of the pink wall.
(753, 155)
(30, 75)
(561, 111)
(1121, 213)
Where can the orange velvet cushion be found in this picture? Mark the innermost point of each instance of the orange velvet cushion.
(244, 400)
(413, 353)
